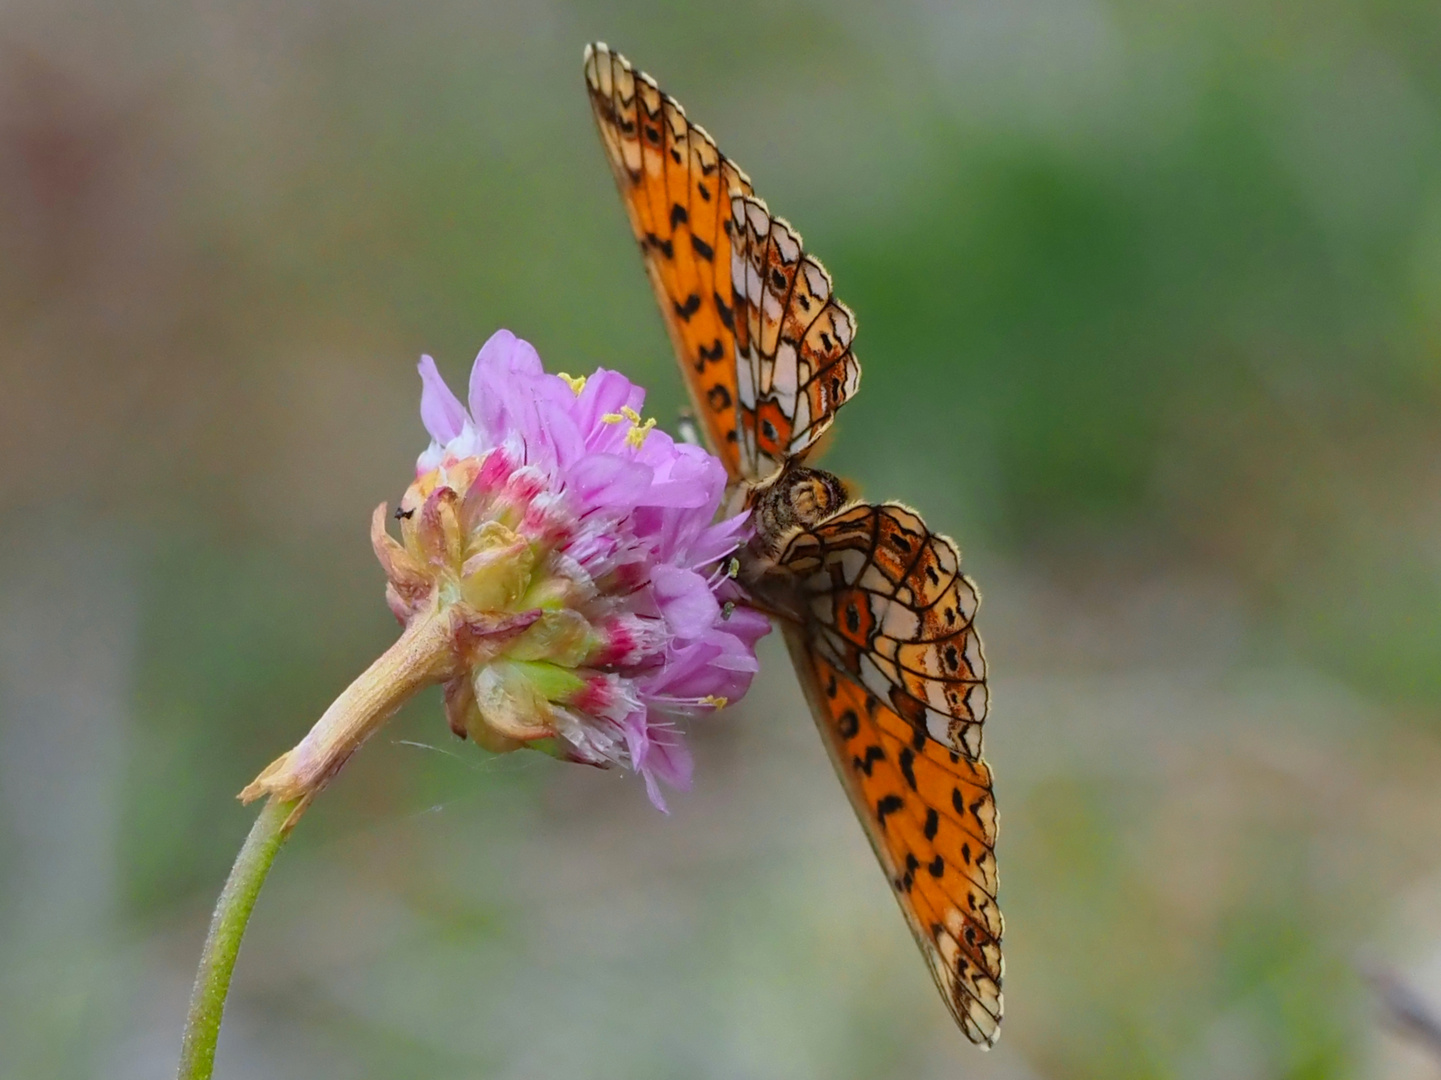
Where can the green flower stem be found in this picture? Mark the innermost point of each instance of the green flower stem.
(422, 655)
(227, 927)
(419, 657)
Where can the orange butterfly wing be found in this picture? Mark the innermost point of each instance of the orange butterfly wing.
(888, 602)
(885, 647)
(764, 347)
(895, 676)
(794, 362)
(676, 187)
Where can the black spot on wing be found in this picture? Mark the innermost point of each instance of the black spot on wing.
(887, 805)
(689, 308)
(908, 879)
(907, 762)
(727, 315)
(867, 763)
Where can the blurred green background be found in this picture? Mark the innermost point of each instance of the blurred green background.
(1150, 307)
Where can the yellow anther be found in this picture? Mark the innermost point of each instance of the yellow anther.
(612, 418)
(630, 414)
(714, 701)
(636, 435)
(575, 382)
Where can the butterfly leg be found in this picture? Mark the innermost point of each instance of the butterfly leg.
(687, 430)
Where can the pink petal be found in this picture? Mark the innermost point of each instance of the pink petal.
(501, 395)
(685, 668)
(440, 410)
(609, 480)
(658, 754)
(685, 599)
(748, 626)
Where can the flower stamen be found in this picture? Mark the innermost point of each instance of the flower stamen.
(636, 435)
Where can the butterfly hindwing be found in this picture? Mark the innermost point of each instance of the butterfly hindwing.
(891, 606)
(895, 675)
(931, 819)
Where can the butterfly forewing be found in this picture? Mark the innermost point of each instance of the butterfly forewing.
(676, 187)
(740, 297)
(793, 353)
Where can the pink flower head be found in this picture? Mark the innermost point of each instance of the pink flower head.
(580, 550)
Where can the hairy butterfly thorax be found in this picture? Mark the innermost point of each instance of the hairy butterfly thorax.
(797, 498)
(878, 617)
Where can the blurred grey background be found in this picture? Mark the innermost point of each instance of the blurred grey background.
(1150, 308)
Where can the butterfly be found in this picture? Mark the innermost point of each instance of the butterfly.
(876, 613)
